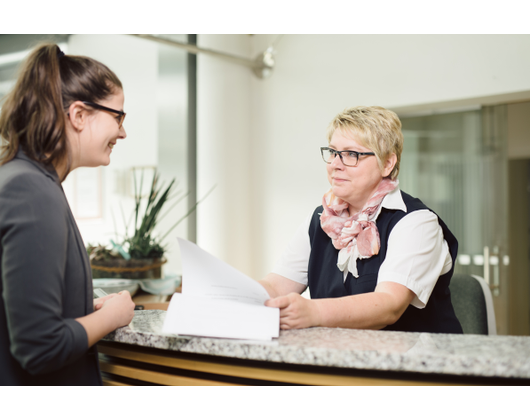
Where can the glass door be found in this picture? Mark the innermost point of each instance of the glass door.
(456, 163)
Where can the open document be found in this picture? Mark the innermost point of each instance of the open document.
(219, 301)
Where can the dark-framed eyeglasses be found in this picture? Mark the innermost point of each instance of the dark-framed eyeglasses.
(120, 114)
(347, 157)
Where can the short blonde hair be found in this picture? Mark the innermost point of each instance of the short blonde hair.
(376, 128)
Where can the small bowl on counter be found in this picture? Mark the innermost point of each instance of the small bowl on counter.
(163, 286)
(116, 285)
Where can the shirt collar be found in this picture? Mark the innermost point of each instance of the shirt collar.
(394, 201)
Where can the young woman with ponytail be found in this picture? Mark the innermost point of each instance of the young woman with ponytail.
(63, 113)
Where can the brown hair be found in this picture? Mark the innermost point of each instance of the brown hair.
(377, 128)
(33, 116)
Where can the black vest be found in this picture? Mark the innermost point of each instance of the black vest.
(325, 280)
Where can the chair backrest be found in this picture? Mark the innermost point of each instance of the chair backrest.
(473, 304)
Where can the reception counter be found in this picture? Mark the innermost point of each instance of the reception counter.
(140, 354)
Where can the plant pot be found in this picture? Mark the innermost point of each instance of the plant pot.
(149, 268)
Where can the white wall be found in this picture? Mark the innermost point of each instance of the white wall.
(277, 177)
(223, 149)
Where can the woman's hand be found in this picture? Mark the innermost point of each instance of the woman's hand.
(120, 307)
(116, 310)
(296, 311)
(373, 310)
(98, 303)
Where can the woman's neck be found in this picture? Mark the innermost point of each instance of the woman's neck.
(62, 169)
(358, 205)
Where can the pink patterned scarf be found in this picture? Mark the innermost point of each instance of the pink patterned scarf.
(356, 236)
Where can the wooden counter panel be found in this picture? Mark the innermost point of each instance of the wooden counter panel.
(173, 368)
(159, 378)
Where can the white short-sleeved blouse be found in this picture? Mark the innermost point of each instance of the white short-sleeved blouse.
(417, 253)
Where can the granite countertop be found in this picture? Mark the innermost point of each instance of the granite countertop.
(476, 355)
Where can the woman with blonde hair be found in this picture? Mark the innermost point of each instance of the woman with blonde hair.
(372, 256)
(63, 113)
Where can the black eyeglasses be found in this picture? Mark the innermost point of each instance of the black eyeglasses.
(347, 157)
(119, 118)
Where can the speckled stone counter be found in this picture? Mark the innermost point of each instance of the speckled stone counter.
(447, 354)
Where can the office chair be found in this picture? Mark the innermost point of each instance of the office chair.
(473, 304)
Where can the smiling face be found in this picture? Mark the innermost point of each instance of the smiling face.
(103, 133)
(355, 185)
(100, 134)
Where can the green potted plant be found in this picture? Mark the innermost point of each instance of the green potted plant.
(140, 255)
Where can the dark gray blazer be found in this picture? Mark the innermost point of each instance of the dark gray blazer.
(46, 282)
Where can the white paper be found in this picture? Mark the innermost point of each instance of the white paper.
(219, 301)
(193, 315)
(206, 276)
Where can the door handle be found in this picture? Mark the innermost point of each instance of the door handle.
(486, 260)
(487, 265)
(495, 262)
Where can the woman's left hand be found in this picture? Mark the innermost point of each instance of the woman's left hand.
(295, 311)
(98, 303)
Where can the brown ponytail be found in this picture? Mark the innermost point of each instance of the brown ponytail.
(33, 114)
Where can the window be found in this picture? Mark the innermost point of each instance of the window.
(155, 80)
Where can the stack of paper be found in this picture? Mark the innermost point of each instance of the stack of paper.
(219, 301)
